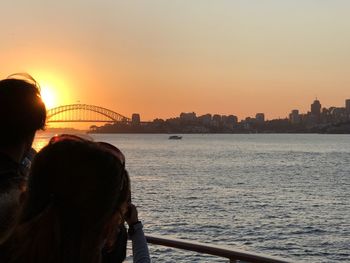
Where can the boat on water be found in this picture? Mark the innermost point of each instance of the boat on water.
(175, 137)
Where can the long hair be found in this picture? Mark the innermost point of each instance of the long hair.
(76, 188)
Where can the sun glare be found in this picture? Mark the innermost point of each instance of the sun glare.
(48, 96)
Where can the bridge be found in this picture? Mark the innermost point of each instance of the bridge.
(84, 113)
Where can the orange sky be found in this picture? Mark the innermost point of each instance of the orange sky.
(159, 58)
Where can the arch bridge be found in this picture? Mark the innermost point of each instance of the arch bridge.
(83, 113)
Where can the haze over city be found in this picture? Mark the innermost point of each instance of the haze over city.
(160, 58)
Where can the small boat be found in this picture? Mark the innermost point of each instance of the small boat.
(175, 137)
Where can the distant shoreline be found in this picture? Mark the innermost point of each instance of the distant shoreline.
(76, 131)
(226, 133)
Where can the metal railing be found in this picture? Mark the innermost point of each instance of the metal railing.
(234, 255)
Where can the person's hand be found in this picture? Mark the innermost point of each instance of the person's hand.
(131, 216)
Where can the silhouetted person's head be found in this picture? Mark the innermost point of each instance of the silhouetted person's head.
(76, 195)
(22, 112)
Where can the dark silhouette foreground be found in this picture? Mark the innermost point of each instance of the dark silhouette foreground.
(22, 113)
(77, 198)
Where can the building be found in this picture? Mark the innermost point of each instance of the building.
(316, 109)
(347, 106)
(191, 116)
(205, 119)
(229, 121)
(247, 122)
(260, 118)
(135, 119)
(216, 120)
(338, 114)
(232, 119)
(294, 117)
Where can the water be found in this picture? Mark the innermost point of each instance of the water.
(284, 195)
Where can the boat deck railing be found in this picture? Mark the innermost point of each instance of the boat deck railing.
(233, 255)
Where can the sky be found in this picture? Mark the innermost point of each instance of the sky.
(160, 57)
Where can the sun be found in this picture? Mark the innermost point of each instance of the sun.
(48, 96)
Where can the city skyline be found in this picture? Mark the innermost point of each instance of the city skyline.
(166, 57)
(318, 120)
(295, 116)
(315, 108)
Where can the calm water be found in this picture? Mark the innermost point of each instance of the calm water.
(285, 195)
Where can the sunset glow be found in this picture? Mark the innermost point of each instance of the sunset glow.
(49, 97)
(161, 58)
(54, 87)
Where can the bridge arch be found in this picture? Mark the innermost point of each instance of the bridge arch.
(60, 114)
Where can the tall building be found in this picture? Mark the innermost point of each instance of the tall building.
(316, 109)
(136, 119)
(347, 105)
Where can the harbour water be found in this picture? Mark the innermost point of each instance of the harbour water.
(286, 195)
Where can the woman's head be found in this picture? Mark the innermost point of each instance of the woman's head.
(75, 190)
(80, 177)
